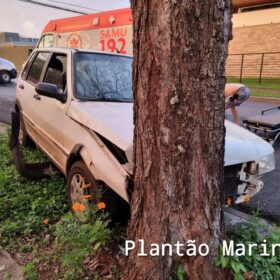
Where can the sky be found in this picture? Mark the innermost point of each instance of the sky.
(29, 20)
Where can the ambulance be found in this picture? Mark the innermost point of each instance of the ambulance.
(109, 31)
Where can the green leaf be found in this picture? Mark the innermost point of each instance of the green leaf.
(224, 262)
(235, 267)
(97, 246)
(180, 272)
(242, 268)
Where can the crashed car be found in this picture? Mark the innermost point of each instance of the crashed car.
(77, 107)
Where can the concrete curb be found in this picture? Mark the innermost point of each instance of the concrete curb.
(234, 220)
(273, 100)
(9, 268)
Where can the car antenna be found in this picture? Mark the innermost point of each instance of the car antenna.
(117, 50)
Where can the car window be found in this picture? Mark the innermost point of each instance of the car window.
(56, 71)
(27, 66)
(46, 41)
(103, 77)
(37, 67)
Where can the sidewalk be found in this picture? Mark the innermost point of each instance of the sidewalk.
(273, 100)
(9, 269)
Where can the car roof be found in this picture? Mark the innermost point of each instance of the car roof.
(74, 50)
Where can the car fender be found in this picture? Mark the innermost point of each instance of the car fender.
(101, 163)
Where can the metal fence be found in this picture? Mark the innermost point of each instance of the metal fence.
(257, 67)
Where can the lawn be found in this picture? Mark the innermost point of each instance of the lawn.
(269, 87)
(40, 232)
(265, 94)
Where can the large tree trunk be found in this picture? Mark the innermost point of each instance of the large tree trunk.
(180, 49)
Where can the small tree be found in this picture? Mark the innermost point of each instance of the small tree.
(180, 48)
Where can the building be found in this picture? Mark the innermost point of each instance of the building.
(256, 35)
(15, 47)
(11, 38)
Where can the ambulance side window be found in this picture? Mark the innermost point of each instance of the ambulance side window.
(47, 41)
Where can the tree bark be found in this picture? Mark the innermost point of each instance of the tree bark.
(180, 48)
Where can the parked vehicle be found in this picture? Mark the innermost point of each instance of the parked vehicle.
(7, 70)
(106, 31)
(77, 107)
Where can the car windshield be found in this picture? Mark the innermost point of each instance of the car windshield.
(103, 77)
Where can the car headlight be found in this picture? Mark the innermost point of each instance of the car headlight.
(266, 164)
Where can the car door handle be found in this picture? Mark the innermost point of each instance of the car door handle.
(36, 96)
(21, 86)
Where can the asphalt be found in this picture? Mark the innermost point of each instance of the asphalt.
(7, 101)
(267, 200)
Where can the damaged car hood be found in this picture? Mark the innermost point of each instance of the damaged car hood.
(114, 121)
(242, 145)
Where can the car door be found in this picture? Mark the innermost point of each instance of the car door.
(51, 113)
(26, 94)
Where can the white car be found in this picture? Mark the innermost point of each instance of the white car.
(7, 70)
(77, 107)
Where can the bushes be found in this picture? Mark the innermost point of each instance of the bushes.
(78, 239)
(254, 266)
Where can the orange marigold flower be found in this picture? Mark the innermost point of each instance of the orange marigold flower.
(246, 199)
(46, 221)
(229, 201)
(86, 186)
(78, 207)
(101, 205)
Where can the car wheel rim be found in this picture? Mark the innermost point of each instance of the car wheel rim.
(5, 77)
(80, 190)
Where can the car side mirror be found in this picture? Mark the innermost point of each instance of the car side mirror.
(50, 90)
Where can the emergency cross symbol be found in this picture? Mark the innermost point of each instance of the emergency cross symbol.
(74, 41)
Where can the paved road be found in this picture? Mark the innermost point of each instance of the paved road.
(7, 100)
(268, 199)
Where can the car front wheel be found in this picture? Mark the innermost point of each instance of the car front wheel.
(5, 77)
(84, 191)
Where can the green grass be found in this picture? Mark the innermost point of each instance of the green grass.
(25, 203)
(267, 83)
(36, 222)
(265, 94)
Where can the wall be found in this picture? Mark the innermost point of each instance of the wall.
(260, 38)
(16, 54)
(255, 32)
(260, 17)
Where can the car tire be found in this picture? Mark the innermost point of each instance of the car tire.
(24, 138)
(81, 184)
(5, 77)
